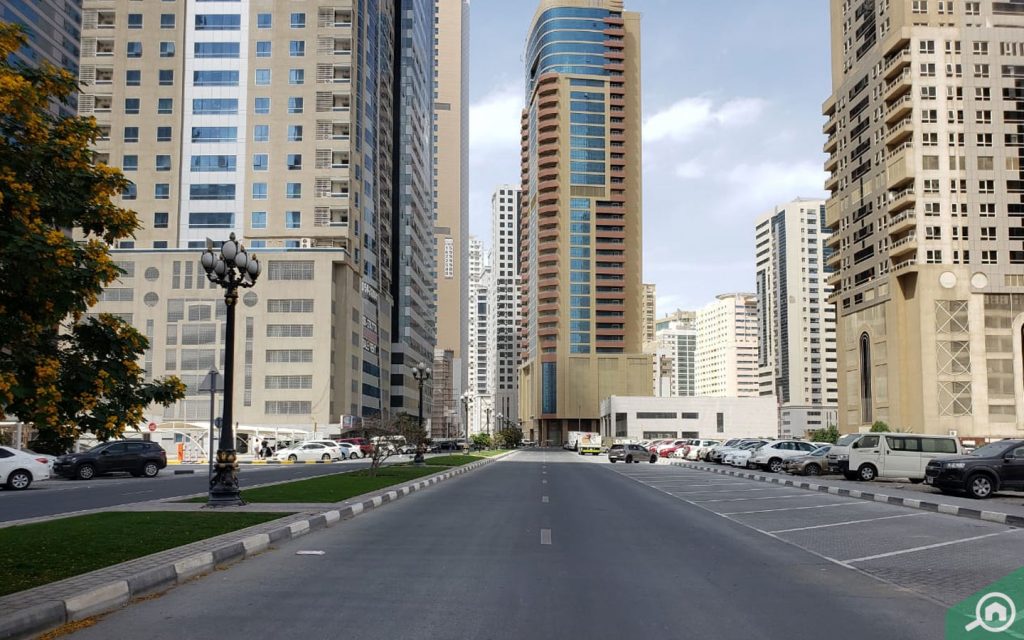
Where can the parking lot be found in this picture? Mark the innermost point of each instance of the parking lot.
(943, 557)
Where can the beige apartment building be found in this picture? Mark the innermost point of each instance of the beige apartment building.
(243, 117)
(581, 217)
(924, 135)
(650, 312)
(451, 183)
(725, 355)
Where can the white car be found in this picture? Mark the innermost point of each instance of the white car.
(700, 449)
(332, 446)
(740, 455)
(19, 469)
(772, 455)
(306, 452)
(350, 451)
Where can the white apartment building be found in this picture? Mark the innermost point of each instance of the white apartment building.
(676, 340)
(478, 392)
(503, 303)
(726, 352)
(797, 358)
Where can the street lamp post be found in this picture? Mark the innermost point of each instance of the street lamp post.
(465, 412)
(232, 269)
(421, 373)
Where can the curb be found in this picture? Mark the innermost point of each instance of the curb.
(29, 622)
(923, 505)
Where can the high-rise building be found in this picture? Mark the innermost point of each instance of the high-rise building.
(650, 311)
(53, 30)
(925, 143)
(451, 179)
(273, 121)
(480, 277)
(676, 341)
(413, 278)
(443, 415)
(503, 303)
(726, 352)
(581, 217)
(796, 323)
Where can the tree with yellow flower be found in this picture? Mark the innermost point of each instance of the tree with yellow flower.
(61, 371)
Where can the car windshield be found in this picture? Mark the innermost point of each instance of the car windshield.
(847, 440)
(990, 450)
(820, 451)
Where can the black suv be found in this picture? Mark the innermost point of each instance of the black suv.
(137, 457)
(995, 466)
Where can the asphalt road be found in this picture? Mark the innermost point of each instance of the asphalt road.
(543, 544)
(59, 496)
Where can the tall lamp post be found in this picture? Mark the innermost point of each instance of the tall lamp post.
(421, 373)
(232, 269)
(465, 412)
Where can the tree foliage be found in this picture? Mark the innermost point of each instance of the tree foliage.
(879, 427)
(481, 440)
(828, 434)
(61, 371)
(510, 437)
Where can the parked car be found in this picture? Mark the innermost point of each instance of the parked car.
(350, 451)
(653, 445)
(700, 450)
(332, 446)
(771, 455)
(19, 469)
(812, 464)
(364, 445)
(666, 449)
(839, 456)
(993, 467)
(137, 457)
(305, 452)
(740, 456)
(630, 453)
(743, 446)
(899, 455)
(716, 452)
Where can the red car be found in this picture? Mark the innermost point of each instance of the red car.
(364, 447)
(666, 450)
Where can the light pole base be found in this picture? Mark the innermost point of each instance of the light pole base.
(224, 490)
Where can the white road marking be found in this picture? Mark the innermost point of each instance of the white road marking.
(544, 481)
(817, 506)
(545, 536)
(929, 546)
(841, 524)
(799, 495)
(544, 499)
(687, 493)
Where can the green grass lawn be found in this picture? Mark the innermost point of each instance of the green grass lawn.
(490, 453)
(456, 460)
(43, 552)
(335, 488)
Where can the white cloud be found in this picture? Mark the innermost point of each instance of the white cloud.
(690, 170)
(494, 123)
(688, 117)
(761, 186)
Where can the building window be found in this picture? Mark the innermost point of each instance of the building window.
(294, 161)
(160, 219)
(166, 20)
(162, 191)
(166, 49)
(132, 77)
(260, 162)
(165, 106)
(294, 105)
(297, 48)
(163, 163)
(134, 20)
(132, 106)
(293, 190)
(262, 77)
(292, 219)
(216, 49)
(258, 219)
(263, 49)
(163, 134)
(298, 21)
(130, 192)
(134, 50)
(262, 106)
(261, 133)
(295, 133)
(130, 163)
(296, 76)
(259, 191)
(166, 77)
(264, 21)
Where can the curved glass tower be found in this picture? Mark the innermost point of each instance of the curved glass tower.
(581, 222)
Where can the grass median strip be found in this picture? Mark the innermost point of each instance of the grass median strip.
(456, 460)
(335, 488)
(43, 552)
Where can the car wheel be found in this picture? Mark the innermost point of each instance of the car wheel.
(812, 470)
(19, 479)
(150, 469)
(326, 457)
(775, 465)
(612, 460)
(867, 472)
(86, 472)
(293, 458)
(850, 475)
(980, 486)
(654, 459)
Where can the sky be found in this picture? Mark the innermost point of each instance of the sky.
(732, 95)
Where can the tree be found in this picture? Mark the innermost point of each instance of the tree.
(828, 434)
(510, 437)
(481, 440)
(61, 371)
(879, 427)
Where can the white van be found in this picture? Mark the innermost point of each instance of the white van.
(899, 455)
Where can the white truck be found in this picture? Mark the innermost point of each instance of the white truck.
(584, 442)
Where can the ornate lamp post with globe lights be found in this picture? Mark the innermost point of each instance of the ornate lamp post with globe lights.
(231, 269)
(421, 373)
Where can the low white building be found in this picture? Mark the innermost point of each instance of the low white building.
(646, 418)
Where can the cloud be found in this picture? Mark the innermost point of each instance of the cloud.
(688, 117)
(494, 123)
(690, 170)
(763, 185)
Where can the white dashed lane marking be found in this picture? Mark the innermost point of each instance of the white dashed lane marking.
(545, 536)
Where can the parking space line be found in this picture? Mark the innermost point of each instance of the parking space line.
(817, 506)
(929, 546)
(729, 490)
(841, 524)
(798, 495)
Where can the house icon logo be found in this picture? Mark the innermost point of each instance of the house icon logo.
(995, 613)
(991, 612)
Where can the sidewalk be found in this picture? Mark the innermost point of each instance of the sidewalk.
(890, 492)
(28, 613)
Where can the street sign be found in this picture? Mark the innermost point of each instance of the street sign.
(217, 422)
(152, 427)
(206, 386)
